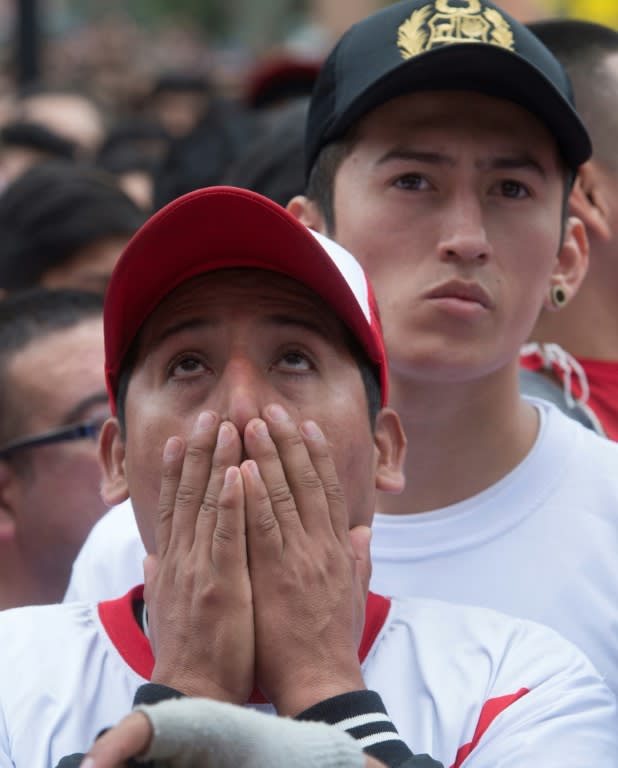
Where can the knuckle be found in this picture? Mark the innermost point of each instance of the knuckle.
(225, 533)
(209, 503)
(333, 491)
(194, 452)
(185, 495)
(309, 480)
(281, 496)
(266, 523)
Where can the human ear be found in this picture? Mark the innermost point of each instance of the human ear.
(571, 263)
(308, 213)
(114, 487)
(8, 500)
(390, 444)
(588, 201)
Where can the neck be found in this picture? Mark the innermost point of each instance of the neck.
(462, 438)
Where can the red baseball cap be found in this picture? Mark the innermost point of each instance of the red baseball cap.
(222, 228)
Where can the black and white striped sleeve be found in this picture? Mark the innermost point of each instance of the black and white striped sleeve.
(363, 716)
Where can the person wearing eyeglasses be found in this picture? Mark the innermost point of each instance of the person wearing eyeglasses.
(53, 403)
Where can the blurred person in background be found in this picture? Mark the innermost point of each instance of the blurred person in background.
(132, 151)
(70, 114)
(278, 79)
(273, 162)
(178, 101)
(572, 357)
(23, 145)
(63, 225)
(53, 402)
(202, 157)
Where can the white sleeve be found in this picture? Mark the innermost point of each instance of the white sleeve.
(568, 719)
(190, 733)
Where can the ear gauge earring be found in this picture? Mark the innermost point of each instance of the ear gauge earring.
(558, 296)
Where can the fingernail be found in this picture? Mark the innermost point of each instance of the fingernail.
(87, 763)
(252, 468)
(311, 430)
(205, 422)
(277, 413)
(231, 476)
(260, 428)
(172, 448)
(224, 437)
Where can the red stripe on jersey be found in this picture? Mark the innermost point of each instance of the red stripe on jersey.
(491, 709)
(123, 630)
(376, 611)
(125, 633)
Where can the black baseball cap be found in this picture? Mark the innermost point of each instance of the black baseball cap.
(421, 45)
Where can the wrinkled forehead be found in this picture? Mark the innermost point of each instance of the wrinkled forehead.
(224, 295)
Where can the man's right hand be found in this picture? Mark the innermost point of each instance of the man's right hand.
(197, 586)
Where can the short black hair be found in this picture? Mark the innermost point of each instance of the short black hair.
(321, 182)
(31, 315)
(51, 211)
(582, 47)
(19, 133)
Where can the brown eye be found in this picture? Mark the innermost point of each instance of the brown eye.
(411, 181)
(513, 189)
(295, 360)
(188, 366)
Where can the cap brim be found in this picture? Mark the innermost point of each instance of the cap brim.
(482, 68)
(222, 228)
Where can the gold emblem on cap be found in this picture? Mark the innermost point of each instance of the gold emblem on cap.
(443, 22)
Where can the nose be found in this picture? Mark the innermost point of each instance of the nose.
(463, 235)
(242, 392)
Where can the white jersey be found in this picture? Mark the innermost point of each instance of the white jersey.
(542, 543)
(466, 685)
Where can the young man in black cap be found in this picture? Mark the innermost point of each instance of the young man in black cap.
(249, 383)
(442, 144)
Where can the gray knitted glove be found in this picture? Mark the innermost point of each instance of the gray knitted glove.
(200, 733)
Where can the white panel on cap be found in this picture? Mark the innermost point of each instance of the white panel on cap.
(349, 268)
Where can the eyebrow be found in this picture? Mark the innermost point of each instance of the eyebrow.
(76, 413)
(515, 161)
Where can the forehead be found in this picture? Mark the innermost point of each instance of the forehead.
(435, 114)
(224, 296)
(60, 368)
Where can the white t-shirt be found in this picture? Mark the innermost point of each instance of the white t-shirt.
(542, 543)
(458, 682)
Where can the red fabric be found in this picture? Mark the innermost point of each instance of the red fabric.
(602, 378)
(491, 709)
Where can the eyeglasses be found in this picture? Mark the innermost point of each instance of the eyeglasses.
(86, 429)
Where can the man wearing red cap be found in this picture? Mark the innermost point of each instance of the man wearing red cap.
(246, 369)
